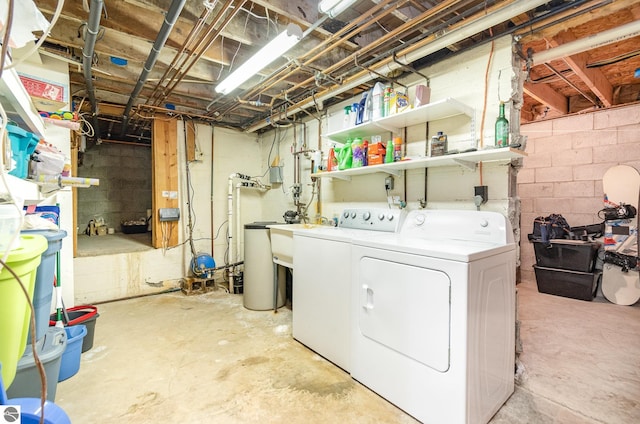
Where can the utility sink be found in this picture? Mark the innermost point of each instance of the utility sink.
(282, 242)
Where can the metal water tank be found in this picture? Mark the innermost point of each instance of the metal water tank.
(259, 292)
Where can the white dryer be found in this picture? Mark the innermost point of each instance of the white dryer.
(434, 315)
(321, 299)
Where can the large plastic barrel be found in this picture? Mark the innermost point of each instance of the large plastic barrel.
(14, 306)
(45, 276)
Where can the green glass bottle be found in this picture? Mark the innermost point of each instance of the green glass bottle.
(502, 129)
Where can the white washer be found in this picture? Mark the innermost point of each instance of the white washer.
(322, 280)
(434, 315)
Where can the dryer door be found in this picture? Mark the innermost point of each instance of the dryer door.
(406, 308)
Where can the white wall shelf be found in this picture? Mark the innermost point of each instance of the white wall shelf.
(18, 104)
(441, 109)
(468, 160)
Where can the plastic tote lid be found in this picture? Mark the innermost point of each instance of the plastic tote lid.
(31, 245)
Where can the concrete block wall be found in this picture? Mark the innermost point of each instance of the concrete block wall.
(124, 192)
(567, 158)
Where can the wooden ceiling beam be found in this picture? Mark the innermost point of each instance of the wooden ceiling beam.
(593, 78)
(544, 94)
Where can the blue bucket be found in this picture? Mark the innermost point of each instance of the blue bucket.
(71, 356)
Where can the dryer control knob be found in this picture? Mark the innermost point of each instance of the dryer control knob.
(484, 223)
(366, 216)
(353, 215)
(381, 217)
(346, 214)
(390, 217)
(419, 220)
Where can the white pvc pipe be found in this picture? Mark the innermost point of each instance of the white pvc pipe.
(238, 223)
(614, 35)
(234, 225)
(230, 225)
(452, 37)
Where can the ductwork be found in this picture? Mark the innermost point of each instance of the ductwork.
(169, 21)
(93, 27)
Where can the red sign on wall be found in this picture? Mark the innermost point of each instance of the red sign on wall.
(43, 89)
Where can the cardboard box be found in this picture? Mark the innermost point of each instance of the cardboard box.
(375, 154)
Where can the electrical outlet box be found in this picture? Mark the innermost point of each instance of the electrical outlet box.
(388, 183)
(169, 214)
(483, 192)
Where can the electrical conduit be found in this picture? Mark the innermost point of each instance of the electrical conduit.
(93, 27)
(169, 21)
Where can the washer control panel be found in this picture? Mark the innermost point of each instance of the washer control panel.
(375, 219)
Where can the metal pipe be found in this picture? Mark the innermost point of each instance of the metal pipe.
(169, 21)
(184, 69)
(603, 38)
(211, 191)
(230, 211)
(92, 29)
(419, 50)
(330, 43)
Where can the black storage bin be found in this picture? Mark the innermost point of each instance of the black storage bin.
(574, 255)
(567, 283)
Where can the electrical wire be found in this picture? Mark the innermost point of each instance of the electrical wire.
(32, 326)
(42, 39)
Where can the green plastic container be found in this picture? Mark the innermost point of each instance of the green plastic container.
(14, 308)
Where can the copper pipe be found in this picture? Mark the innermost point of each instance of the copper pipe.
(393, 34)
(202, 46)
(195, 30)
(331, 42)
(408, 50)
(429, 14)
(281, 74)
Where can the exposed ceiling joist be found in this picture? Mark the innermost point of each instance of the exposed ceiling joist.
(322, 68)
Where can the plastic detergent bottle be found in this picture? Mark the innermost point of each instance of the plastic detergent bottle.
(377, 101)
(387, 100)
(346, 156)
(365, 149)
(332, 162)
(353, 115)
(357, 150)
(388, 157)
(361, 109)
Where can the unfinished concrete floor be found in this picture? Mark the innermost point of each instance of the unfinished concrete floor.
(206, 359)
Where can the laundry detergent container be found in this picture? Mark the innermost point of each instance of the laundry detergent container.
(45, 277)
(14, 307)
(71, 357)
(50, 349)
(23, 144)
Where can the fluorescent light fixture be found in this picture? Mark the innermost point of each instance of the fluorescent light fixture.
(265, 56)
(334, 7)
